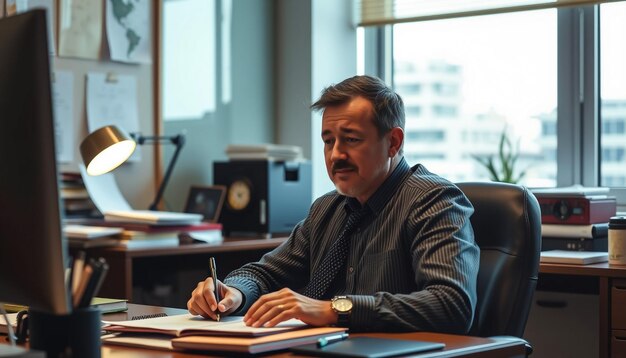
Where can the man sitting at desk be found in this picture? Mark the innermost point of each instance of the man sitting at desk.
(392, 248)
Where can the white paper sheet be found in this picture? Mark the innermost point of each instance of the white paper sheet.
(128, 30)
(112, 100)
(104, 192)
(63, 96)
(80, 28)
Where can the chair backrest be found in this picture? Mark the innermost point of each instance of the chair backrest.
(507, 228)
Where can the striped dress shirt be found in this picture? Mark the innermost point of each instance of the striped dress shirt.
(412, 264)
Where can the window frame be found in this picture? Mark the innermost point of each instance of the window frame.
(578, 85)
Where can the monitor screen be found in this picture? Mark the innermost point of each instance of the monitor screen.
(32, 251)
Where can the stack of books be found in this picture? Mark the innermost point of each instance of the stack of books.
(590, 237)
(575, 218)
(76, 200)
(264, 152)
(138, 235)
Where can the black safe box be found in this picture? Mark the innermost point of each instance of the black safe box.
(263, 196)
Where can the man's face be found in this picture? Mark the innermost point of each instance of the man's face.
(358, 160)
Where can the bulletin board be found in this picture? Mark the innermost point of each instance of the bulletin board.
(136, 179)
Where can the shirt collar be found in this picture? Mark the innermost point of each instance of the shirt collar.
(382, 195)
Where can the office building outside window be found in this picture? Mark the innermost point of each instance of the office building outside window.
(464, 84)
(613, 94)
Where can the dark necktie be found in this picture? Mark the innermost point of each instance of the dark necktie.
(335, 259)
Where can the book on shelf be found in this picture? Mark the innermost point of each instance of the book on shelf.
(201, 226)
(90, 232)
(109, 305)
(106, 241)
(133, 235)
(73, 193)
(150, 243)
(575, 231)
(573, 257)
(153, 217)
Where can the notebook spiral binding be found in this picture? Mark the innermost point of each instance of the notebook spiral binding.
(145, 316)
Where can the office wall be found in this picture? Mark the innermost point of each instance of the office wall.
(136, 180)
(248, 118)
(284, 53)
(316, 48)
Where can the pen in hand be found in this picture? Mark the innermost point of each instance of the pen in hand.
(324, 341)
(213, 273)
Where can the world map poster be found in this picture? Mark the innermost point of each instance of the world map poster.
(129, 31)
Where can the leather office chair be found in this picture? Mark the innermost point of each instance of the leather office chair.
(507, 228)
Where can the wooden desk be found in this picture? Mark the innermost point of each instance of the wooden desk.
(125, 263)
(612, 298)
(456, 346)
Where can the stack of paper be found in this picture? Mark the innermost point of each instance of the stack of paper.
(152, 217)
(573, 257)
(264, 151)
(231, 334)
(85, 237)
(108, 198)
(571, 191)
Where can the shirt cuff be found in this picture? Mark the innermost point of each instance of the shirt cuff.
(249, 291)
(363, 311)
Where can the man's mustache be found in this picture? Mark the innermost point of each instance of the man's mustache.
(342, 164)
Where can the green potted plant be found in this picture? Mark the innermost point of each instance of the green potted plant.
(502, 167)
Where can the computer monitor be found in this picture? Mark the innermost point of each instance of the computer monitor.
(32, 250)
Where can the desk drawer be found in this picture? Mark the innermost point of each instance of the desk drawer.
(556, 317)
(618, 343)
(618, 304)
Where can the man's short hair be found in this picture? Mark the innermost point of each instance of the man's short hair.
(387, 105)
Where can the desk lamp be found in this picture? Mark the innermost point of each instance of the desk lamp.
(106, 148)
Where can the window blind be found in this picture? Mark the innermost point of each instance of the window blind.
(385, 12)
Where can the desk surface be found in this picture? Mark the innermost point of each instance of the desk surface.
(603, 269)
(455, 345)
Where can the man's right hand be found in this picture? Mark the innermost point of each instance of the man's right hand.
(202, 301)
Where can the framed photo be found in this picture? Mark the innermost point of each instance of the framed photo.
(206, 200)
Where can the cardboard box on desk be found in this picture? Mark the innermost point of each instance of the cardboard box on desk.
(263, 196)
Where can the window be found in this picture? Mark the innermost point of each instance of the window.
(612, 155)
(412, 111)
(554, 80)
(425, 136)
(476, 83)
(613, 94)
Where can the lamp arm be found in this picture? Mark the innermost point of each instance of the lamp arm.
(179, 141)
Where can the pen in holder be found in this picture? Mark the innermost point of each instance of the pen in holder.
(73, 335)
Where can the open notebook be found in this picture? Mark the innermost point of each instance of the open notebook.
(190, 325)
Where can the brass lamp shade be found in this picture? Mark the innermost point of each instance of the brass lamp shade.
(105, 149)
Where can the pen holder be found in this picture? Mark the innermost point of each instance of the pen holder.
(73, 335)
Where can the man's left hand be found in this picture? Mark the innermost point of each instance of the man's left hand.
(279, 306)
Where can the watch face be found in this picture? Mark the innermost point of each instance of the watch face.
(239, 195)
(342, 304)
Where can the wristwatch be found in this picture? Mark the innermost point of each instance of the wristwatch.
(343, 306)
